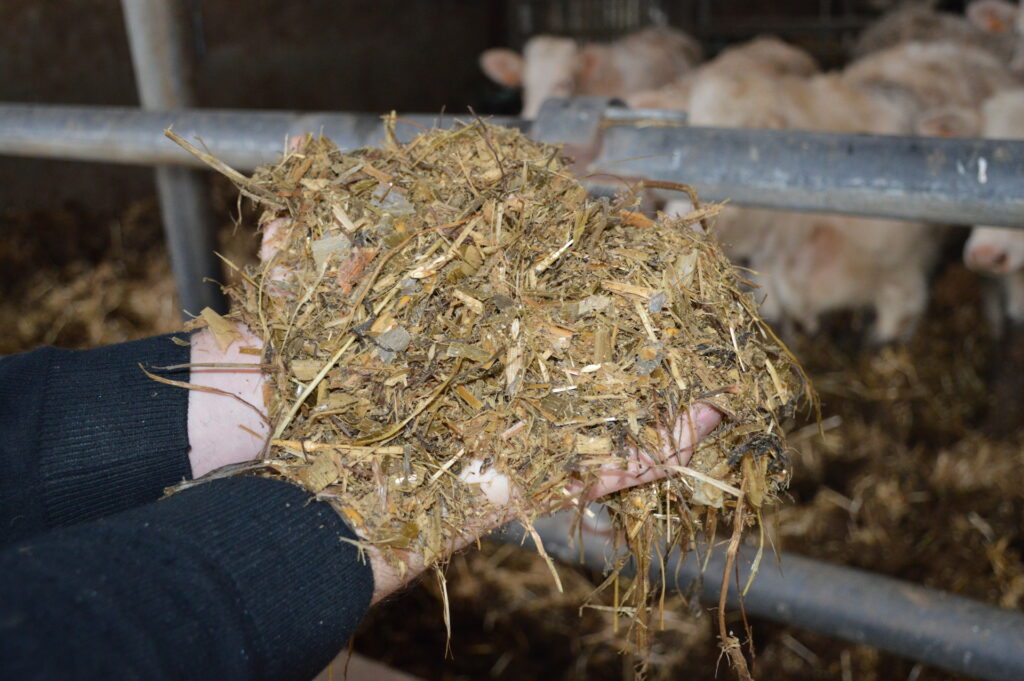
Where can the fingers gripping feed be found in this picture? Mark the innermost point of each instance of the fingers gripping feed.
(639, 466)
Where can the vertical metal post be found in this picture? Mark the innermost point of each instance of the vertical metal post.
(158, 37)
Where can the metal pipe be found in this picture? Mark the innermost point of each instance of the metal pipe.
(951, 181)
(242, 139)
(933, 627)
(159, 41)
(957, 634)
(948, 181)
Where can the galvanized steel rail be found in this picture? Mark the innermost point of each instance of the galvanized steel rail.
(937, 628)
(946, 181)
(952, 181)
(158, 36)
(242, 139)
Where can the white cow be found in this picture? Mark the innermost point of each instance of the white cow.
(1003, 22)
(809, 264)
(937, 74)
(994, 250)
(765, 56)
(915, 22)
(988, 25)
(560, 67)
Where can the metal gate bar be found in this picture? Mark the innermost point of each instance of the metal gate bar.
(156, 34)
(958, 634)
(242, 139)
(941, 180)
(952, 181)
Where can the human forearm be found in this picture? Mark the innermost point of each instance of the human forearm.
(241, 578)
(87, 434)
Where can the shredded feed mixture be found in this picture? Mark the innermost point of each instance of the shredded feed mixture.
(461, 297)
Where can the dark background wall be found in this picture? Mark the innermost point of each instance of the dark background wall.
(354, 55)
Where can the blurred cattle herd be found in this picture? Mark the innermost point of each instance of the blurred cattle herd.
(916, 71)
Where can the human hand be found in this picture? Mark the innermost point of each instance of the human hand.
(227, 421)
(639, 467)
(226, 426)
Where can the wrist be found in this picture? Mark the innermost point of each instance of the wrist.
(226, 423)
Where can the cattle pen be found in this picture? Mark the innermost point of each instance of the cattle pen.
(975, 181)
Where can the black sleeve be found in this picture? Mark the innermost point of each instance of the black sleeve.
(240, 578)
(84, 433)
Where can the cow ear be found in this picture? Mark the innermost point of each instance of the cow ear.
(993, 16)
(954, 121)
(503, 66)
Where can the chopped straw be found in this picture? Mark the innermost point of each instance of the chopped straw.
(459, 298)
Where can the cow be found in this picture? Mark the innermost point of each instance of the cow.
(552, 66)
(999, 251)
(766, 56)
(937, 74)
(809, 264)
(988, 25)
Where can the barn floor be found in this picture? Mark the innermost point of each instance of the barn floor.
(904, 482)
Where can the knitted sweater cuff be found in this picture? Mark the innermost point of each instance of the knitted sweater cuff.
(243, 577)
(102, 436)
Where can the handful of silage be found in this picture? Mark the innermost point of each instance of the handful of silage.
(460, 297)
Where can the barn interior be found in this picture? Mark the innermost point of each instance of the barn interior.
(916, 471)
